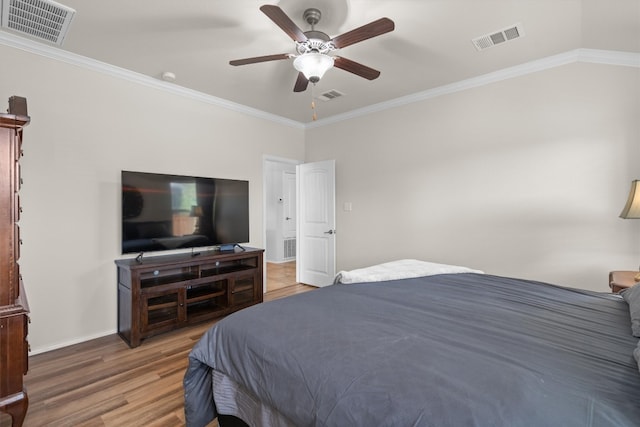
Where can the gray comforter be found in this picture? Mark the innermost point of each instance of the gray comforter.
(445, 350)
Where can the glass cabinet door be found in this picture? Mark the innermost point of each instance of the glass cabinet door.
(162, 309)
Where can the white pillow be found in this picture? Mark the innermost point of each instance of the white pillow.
(401, 269)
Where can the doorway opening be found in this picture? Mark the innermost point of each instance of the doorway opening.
(280, 222)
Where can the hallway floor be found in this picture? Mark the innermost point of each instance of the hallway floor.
(280, 275)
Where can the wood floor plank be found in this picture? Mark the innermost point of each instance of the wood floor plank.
(104, 383)
(280, 275)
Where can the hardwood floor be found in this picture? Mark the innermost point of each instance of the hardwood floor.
(103, 382)
(280, 275)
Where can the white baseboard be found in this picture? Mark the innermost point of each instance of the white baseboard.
(39, 350)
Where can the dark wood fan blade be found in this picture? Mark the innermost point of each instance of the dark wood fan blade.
(372, 29)
(266, 58)
(281, 19)
(301, 83)
(356, 68)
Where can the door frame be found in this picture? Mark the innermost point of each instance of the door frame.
(265, 181)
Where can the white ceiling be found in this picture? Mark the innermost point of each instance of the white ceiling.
(430, 47)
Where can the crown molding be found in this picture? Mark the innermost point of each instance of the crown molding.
(594, 56)
(609, 57)
(122, 73)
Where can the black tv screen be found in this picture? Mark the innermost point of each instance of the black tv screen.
(166, 212)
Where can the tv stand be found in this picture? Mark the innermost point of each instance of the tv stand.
(162, 293)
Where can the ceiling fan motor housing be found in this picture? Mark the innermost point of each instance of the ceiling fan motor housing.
(317, 41)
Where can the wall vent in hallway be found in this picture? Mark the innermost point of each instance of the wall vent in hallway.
(290, 248)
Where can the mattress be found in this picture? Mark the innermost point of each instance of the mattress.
(445, 350)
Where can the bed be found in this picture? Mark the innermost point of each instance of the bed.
(457, 348)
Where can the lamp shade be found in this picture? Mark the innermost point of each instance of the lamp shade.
(313, 65)
(632, 208)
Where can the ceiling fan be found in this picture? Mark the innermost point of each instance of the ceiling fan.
(313, 47)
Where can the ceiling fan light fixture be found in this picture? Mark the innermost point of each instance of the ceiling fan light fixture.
(313, 65)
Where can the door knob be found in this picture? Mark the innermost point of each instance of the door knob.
(330, 232)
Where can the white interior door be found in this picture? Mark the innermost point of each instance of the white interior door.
(316, 261)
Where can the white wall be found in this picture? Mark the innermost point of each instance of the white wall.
(86, 127)
(524, 177)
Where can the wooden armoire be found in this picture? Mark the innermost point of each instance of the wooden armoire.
(14, 311)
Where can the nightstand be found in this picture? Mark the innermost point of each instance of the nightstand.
(619, 280)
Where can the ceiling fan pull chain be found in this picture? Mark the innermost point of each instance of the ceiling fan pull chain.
(314, 116)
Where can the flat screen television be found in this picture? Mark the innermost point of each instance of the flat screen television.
(166, 212)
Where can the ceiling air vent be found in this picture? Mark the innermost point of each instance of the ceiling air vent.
(42, 19)
(332, 94)
(489, 40)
